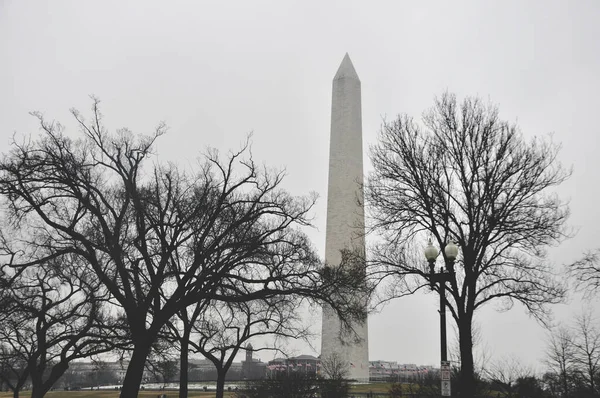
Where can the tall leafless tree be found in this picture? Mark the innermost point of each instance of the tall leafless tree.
(158, 239)
(586, 343)
(335, 367)
(560, 358)
(467, 176)
(13, 370)
(178, 331)
(162, 363)
(54, 316)
(505, 375)
(222, 331)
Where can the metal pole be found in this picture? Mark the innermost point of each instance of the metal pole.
(444, 354)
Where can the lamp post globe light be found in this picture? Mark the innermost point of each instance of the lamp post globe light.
(451, 251)
(431, 254)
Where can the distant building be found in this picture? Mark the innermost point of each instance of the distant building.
(307, 364)
(204, 370)
(87, 373)
(252, 369)
(393, 371)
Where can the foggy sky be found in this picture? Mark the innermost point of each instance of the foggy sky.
(215, 71)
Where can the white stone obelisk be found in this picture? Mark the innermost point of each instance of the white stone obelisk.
(345, 215)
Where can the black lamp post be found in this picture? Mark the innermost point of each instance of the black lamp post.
(431, 254)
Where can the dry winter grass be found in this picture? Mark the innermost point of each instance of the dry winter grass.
(378, 387)
(112, 394)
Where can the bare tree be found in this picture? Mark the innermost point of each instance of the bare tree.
(586, 273)
(161, 363)
(470, 178)
(573, 358)
(54, 316)
(226, 328)
(506, 374)
(335, 367)
(586, 343)
(158, 239)
(13, 369)
(560, 358)
(179, 331)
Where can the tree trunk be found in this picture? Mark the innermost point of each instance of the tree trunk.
(183, 365)
(135, 370)
(37, 389)
(467, 368)
(16, 393)
(37, 392)
(591, 373)
(220, 383)
(565, 383)
(56, 373)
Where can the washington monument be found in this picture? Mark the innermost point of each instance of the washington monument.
(345, 215)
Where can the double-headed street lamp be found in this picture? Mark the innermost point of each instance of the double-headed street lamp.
(431, 254)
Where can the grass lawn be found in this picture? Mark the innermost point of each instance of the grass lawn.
(375, 387)
(112, 394)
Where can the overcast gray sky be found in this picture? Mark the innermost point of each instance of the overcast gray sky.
(214, 71)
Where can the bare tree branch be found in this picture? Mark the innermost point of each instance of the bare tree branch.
(466, 176)
(158, 239)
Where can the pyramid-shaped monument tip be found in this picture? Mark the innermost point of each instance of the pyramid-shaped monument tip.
(346, 69)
